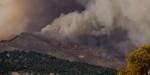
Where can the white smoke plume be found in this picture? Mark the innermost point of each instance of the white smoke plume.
(130, 20)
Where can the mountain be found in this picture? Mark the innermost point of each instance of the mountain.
(32, 42)
(41, 63)
(69, 51)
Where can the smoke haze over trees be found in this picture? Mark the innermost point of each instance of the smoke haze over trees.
(115, 26)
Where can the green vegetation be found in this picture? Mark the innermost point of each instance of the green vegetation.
(41, 63)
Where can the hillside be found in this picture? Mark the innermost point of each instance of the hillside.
(41, 63)
(63, 50)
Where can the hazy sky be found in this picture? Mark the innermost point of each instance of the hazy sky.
(31, 15)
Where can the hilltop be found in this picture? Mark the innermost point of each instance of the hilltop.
(68, 51)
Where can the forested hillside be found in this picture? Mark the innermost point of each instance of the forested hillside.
(41, 63)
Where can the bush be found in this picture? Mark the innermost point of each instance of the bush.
(138, 61)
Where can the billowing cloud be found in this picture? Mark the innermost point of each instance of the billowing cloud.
(117, 24)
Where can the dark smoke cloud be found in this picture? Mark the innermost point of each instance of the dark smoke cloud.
(42, 12)
(84, 2)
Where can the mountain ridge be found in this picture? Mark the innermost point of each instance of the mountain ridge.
(71, 51)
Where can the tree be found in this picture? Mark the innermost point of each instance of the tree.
(138, 61)
(120, 71)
